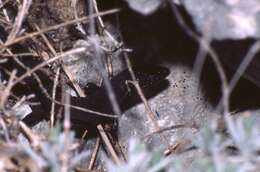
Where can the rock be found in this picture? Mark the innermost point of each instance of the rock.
(83, 65)
(182, 103)
(225, 19)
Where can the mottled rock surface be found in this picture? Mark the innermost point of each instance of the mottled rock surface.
(182, 103)
(225, 19)
(83, 65)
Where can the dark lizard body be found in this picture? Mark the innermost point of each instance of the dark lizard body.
(126, 94)
(151, 79)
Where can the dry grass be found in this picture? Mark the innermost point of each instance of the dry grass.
(23, 148)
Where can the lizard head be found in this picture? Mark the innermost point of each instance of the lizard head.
(151, 79)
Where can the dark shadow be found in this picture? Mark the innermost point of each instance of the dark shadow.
(158, 39)
(151, 79)
(246, 94)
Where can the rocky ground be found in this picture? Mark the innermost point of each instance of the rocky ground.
(172, 120)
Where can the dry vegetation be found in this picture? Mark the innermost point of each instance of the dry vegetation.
(36, 37)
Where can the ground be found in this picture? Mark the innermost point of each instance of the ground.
(179, 118)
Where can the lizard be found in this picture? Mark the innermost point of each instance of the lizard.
(152, 80)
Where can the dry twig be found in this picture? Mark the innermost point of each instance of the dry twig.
(30, 35)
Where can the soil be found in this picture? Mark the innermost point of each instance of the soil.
(153, 40)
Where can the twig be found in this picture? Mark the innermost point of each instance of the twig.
(65, 155)
(199, 61)
(34, 139)
(83, 136)
(19, 20)
(111, 96)
(37, 67)
(65, 69)
(171, 148)
(47, 42)
(80, 92)
(5, 22)
(94, 154)
(104, 32)
(171, 128)
(205, 44)
(20, 102)
(70, 76)
(108, 144)
(151, 114)
(107, 84)
(254, 49)
(9, 74)
(56, 76)
(179, 147)
(54, 96)
(139, 90)
(202, 52)
(67, 114)
(5, 12)
(79, 25)
(83, 19)
(5, 94)
(251, 54)
(5, 130)
(20, 55)
(101, 23)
